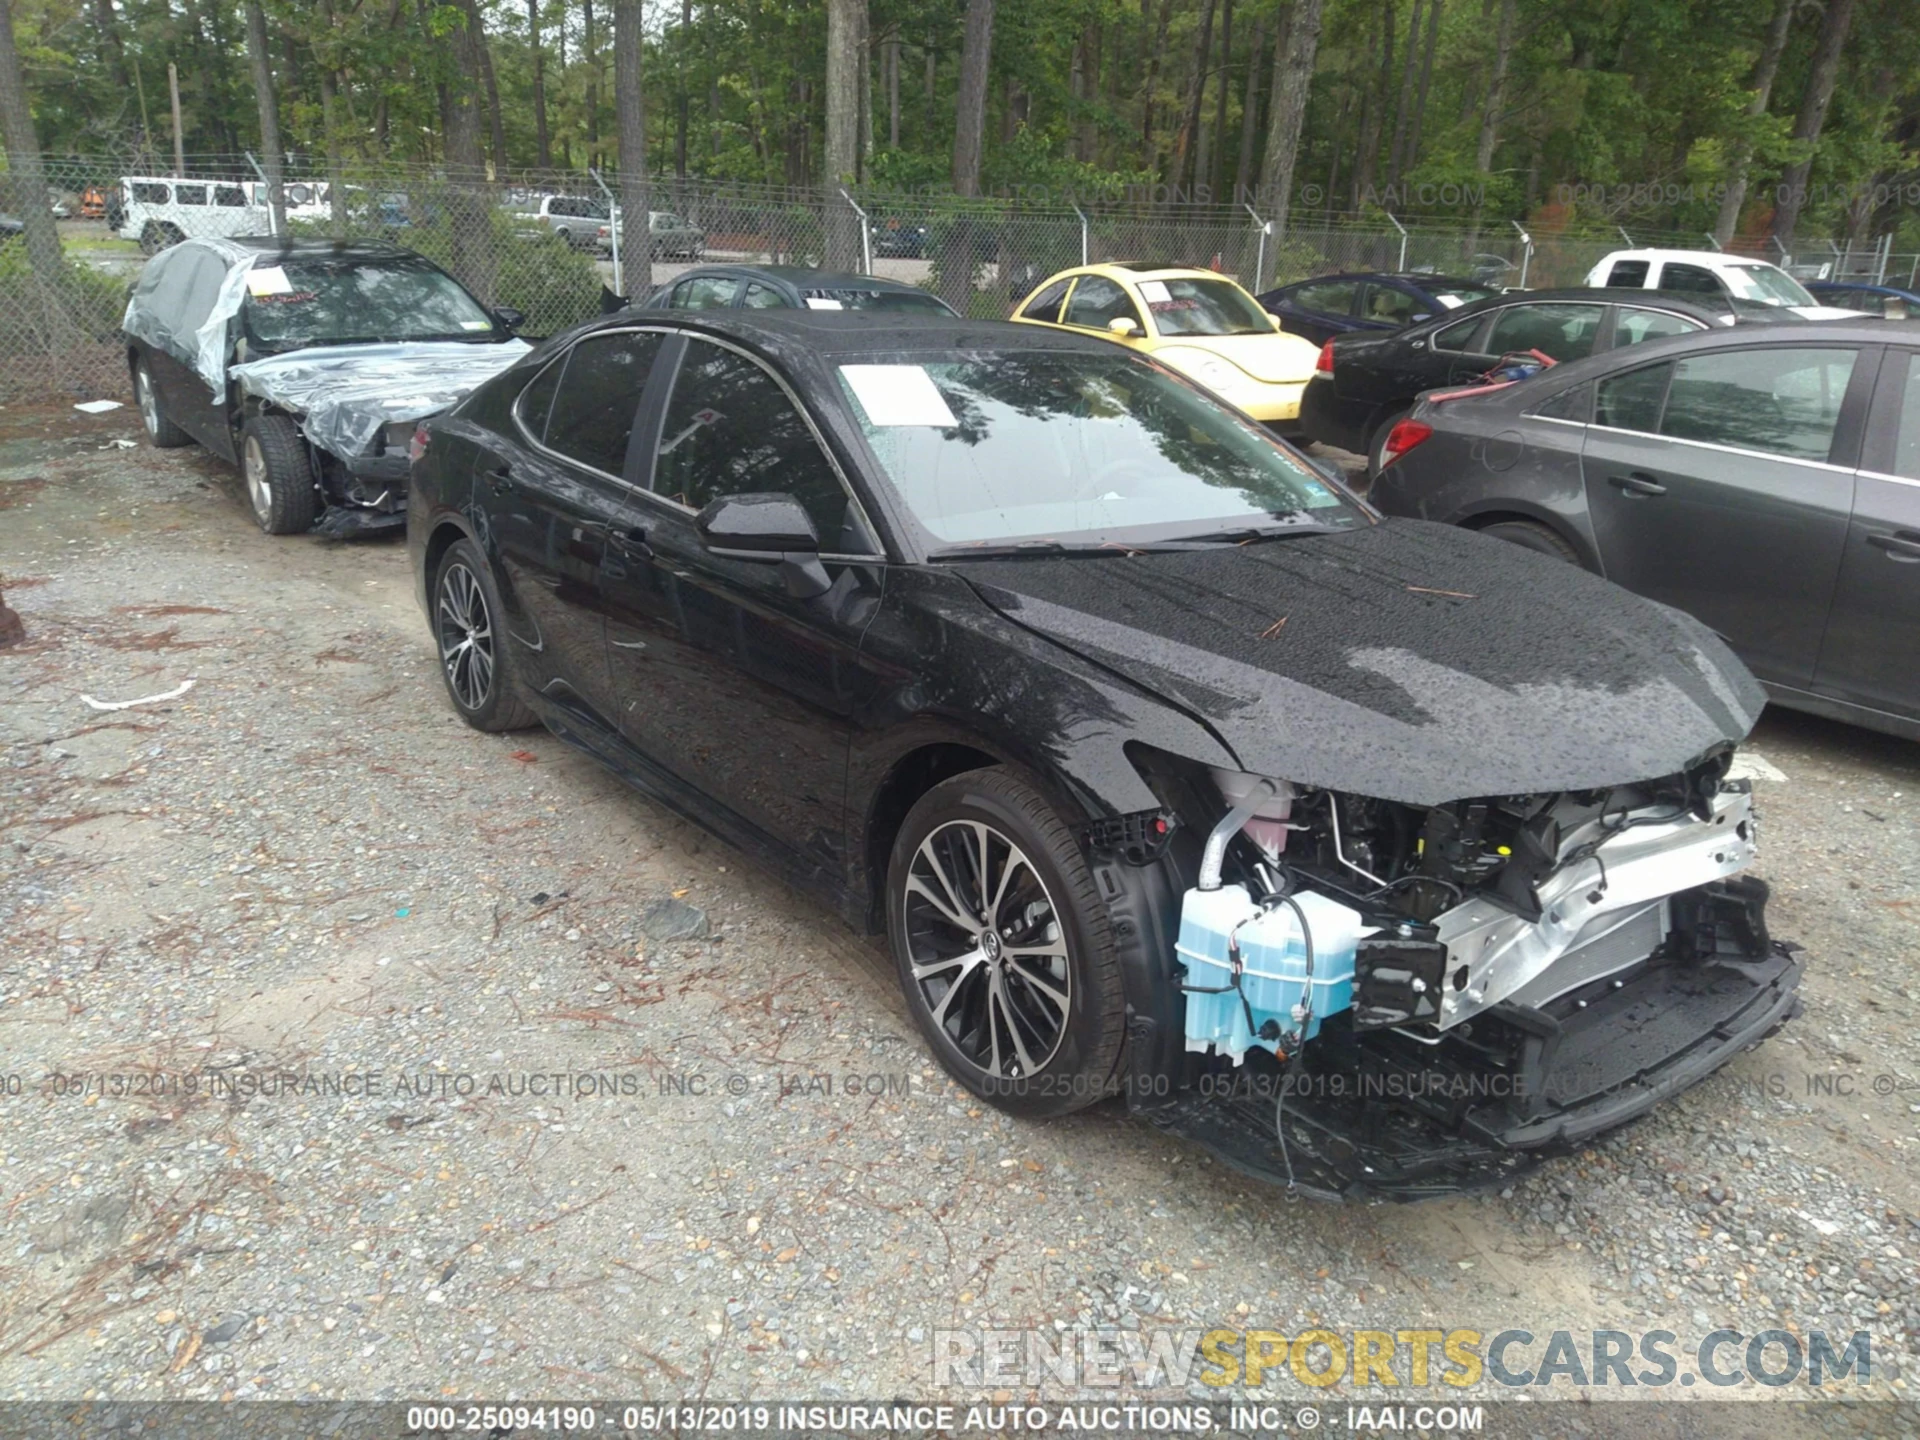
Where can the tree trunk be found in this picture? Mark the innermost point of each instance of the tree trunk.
(893, 88)
(1186, 140)
(1292, 77)
(1412, 157)
(843, 125)
(272, 152)
(474, 260)
(1813, 115)
(1741, 158)
(1496, 89)
(1403, 108)
(591, 54)
(496, 118)
(680, 103)
(630, 114)
(542, 139)
(1217, 175)
(1154, 51)
(111, 50)
(970, 103)
(1373, 118)
(27, 174)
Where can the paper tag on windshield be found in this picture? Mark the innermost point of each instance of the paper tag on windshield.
(821, 302)
(268, 280)
(1154, 292)
(1452, 302)
(898, 395)
(476, 324)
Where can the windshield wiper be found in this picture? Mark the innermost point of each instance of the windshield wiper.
(1019, 549)
(1243, 534)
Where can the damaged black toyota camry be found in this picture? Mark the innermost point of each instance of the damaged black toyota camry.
(1380, 858)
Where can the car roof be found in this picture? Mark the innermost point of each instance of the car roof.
(1138, 270)
(1406, 277)
(793, 334)
(1595, 295)
(801, 277)
(319, 249)
(1713, 257)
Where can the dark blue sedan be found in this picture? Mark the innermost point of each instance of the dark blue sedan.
(1889, 301)
(1331, 305)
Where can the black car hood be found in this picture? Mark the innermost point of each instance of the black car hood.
(1406, 661)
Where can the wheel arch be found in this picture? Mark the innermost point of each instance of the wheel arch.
(447, 531)
(1508, 509)
(934, 757)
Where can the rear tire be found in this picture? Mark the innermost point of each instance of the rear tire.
(279, 475)
(1003, 948)
(1532, 535)
(476, 662)
(161, 431)
(157, 235)
(1377, 442)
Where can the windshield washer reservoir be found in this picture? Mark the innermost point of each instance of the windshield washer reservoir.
(1247, 968)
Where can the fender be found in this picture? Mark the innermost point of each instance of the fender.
(1576, 532)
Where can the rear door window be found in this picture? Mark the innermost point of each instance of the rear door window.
(593, 410)
(231, 196)
(1562, 332)
(1631, 325)
(1458, 337)
(149, 194)
(731, 430)
(189, 194)
(1628, 275)
(1327, 297)
(761, 297)
(1632, 401)
(1906, 437)
(1389, 305)
(708, 292)
(1783, 400)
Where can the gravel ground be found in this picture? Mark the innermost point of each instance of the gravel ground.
(304, 865)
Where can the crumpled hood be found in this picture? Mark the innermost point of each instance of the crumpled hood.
(344, 395)
(1406, 661)
(1271, 359)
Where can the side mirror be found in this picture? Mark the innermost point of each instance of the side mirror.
(509, 317)
(1274, 320)
(1121, 326)
(772, 528)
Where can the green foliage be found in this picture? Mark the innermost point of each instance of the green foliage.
(87, 301)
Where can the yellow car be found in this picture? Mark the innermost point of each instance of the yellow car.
(1195, 321)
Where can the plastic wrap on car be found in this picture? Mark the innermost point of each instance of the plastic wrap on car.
(163, 313)
(343, 397)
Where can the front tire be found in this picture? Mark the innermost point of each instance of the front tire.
(1003, 948)
(279, 475)
(1531, 535)
(157, 235)
(161, 431)
(474, 660)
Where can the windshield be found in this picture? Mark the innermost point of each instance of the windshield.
(1203, 307)
(327, 301)
(1768, 285)
(886, 300)
(999, 447)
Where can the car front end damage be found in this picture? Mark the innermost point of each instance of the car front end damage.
(1386, 1000)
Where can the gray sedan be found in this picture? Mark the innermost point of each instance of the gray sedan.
(1765, 480)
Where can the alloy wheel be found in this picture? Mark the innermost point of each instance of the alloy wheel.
(149, 402)
(466, 637)
(253, 464)
(987, 949)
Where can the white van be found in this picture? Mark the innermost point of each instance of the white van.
(1710, 275)
(161, 210)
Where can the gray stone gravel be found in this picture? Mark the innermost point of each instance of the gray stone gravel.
(361, 1055)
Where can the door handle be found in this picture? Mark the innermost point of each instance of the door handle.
(1901, 545)
(631, 542)
(1637, 484)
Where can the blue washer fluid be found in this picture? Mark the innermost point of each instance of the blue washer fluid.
(1273, 966)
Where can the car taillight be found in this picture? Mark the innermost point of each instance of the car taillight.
(417, 446)
(1324, 365)
(1404, 436)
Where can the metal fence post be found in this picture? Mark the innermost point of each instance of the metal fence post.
(1403, 238)
(613, 229)
(1710, 240)
(866, 233)
(1260, 250)
(1084, 249)
(1624, 236)
(265, 187)
(1526, 252)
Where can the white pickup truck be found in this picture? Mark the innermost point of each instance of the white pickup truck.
(1710, 275)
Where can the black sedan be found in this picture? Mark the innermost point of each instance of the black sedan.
(1766, 480)
(1169, 769)
(1331, 305)
(790, 287)
(1366, 384)
(307, 363)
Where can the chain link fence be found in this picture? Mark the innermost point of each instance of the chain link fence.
(556, 246)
